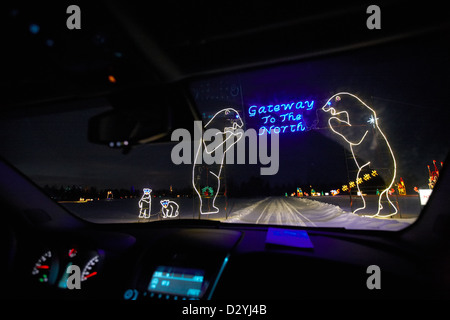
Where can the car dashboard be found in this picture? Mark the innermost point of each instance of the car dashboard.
(207, 260)
(50, 253)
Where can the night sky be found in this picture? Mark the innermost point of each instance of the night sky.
(53, 149)
(406, 82)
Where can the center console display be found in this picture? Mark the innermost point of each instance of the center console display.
(179, 282)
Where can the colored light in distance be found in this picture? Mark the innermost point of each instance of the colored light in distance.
(34, 28)
(112, 79)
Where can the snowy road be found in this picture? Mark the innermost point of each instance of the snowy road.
(303, 212)
(273, 211)
(310, 213)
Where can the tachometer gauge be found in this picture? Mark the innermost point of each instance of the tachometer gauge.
(91, 268)
(44, 268)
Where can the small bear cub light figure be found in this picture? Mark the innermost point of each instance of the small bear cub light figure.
(145, 204)
(169, 209)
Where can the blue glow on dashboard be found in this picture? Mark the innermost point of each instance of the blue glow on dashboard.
(224, 263)
(288, 237)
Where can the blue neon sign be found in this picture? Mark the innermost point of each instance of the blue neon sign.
(281, 118)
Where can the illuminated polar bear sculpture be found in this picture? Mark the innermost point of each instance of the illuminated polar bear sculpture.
(348, 119)
(145, 204)
(225, 123)
(169, 209)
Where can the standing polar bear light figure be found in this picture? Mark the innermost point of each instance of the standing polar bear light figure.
(145, 204)
(348, 113)
(223, 126)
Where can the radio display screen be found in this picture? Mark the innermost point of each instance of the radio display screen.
(183, 282)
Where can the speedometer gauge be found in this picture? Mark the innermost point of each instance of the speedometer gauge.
(44, 268)
(91, 268)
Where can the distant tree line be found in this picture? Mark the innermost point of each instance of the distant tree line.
(257, 186)
(254, 186)
(75, 192)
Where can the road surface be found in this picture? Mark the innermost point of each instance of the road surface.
(303, 212)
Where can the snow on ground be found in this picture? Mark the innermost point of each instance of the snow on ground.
(311, 213)
(271, 210)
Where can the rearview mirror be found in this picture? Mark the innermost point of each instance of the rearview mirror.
(140, 116)
(122, 128)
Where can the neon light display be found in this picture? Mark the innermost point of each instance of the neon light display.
(359, 181)
(145, 204)
(281, 118)
(372, 121)
(207, 191)
(340, 117)
(169, 209)
(226, 121)
(335, 192)
(433, 175)
(401, 187)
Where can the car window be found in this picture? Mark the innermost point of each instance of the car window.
(353, 140)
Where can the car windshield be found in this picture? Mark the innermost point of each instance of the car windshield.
(352, 140)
